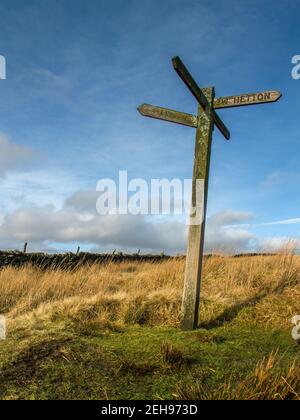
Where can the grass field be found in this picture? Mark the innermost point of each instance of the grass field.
(112, 332)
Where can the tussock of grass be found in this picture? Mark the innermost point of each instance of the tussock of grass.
(267, 382)
(172, 355)
(149, 296)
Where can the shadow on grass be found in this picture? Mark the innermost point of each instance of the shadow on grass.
(232, 312)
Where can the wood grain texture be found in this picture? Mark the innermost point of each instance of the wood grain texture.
(169, 115)
(247, 99)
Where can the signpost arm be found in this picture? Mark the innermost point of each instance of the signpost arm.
(165, 114)
(194, 259)
(248, 99)
(188, 80)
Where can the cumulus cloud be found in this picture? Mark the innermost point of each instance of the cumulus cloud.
(44, 224)
(13, 156)
(84, 200)
(222, 238)
(78, 222)
(230, 217)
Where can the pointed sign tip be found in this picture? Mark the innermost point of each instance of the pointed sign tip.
(140, 109)
(176, 61)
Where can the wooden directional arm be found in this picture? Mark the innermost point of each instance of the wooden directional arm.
(168, 115)
(248, 99)
(188, 80)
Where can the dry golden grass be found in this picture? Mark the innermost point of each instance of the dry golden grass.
(267, 382)
(145, 293)
(80, 307)
(114, 293)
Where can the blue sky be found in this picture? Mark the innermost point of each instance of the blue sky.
(76, 71)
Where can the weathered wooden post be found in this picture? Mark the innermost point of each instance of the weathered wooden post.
(25, 247)
(204, 124)
(192, 282)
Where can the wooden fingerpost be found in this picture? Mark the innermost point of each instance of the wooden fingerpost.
(194, 258)
(204, 124)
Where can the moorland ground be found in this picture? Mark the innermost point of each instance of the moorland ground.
(112, 331)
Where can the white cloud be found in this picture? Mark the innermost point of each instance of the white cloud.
(84, 200)
(44, 224)
(37, 188)
(279, 179)
(295, 221)
(13, 157)
(228, 217)
(223, 239)
(77, 222)
(279, 244)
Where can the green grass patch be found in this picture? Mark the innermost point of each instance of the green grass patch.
(135, 362)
